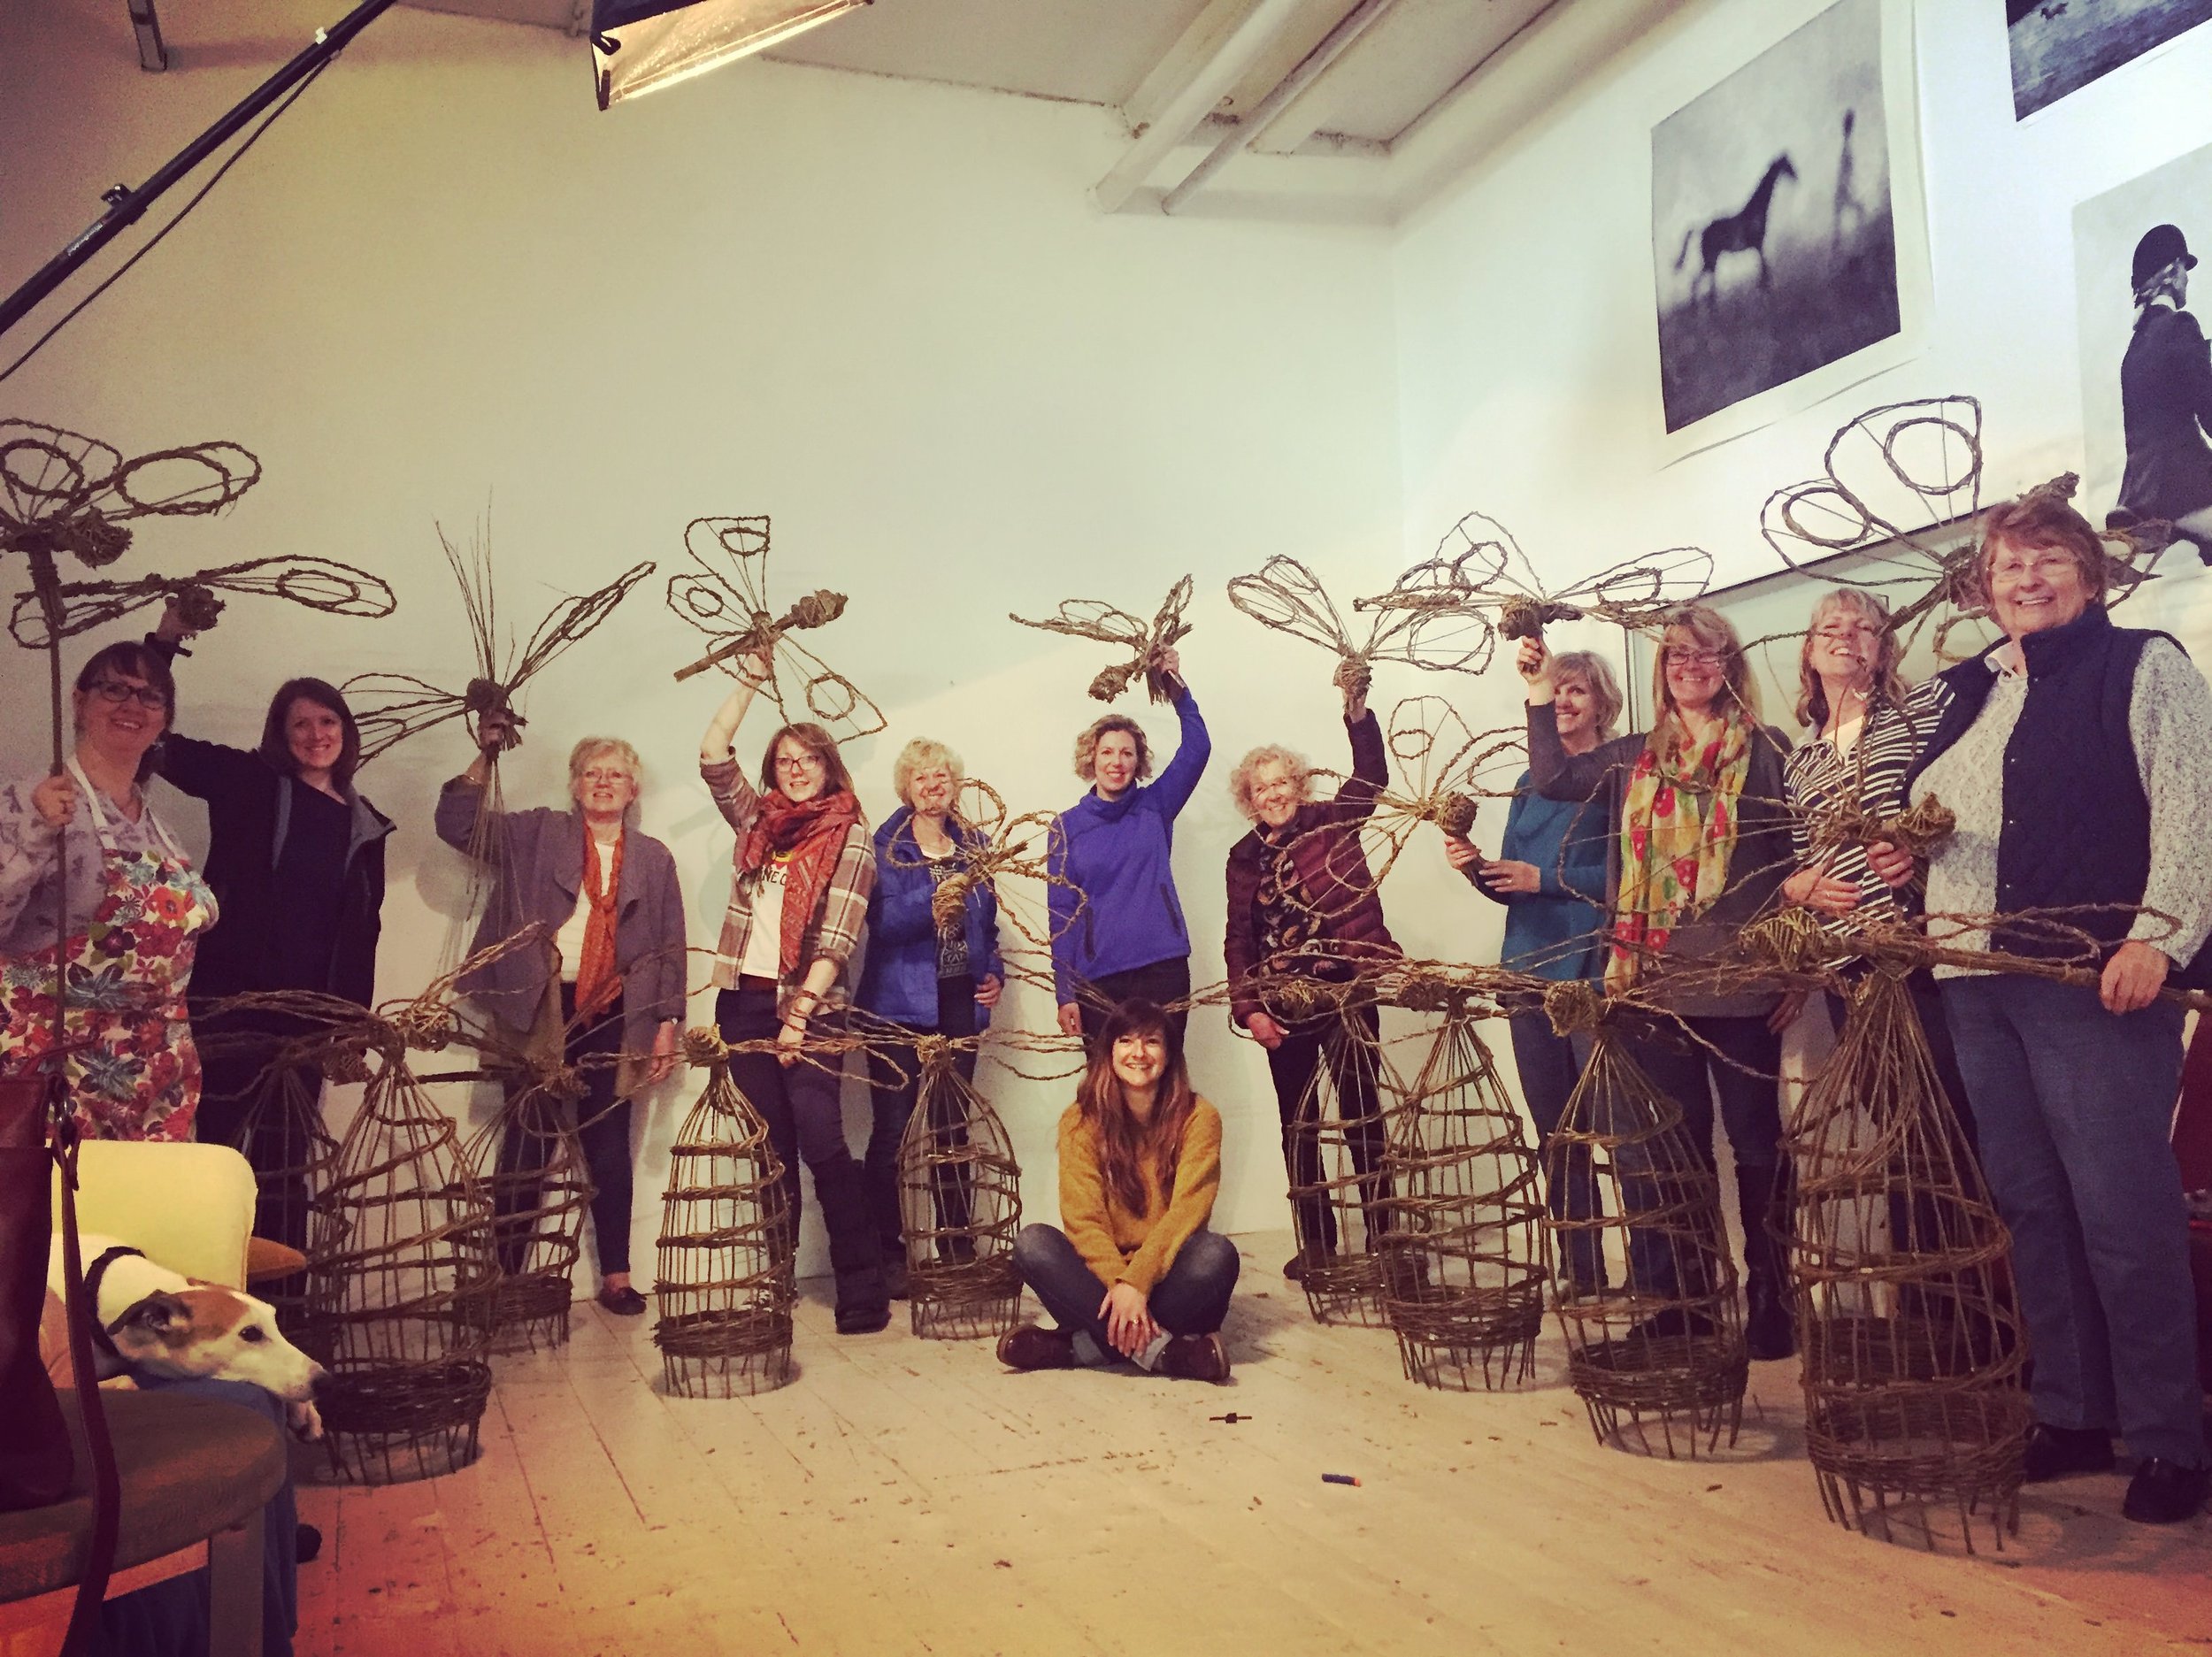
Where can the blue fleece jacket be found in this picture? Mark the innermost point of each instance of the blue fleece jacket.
(1558, 931)
(899, 980)
(1118, 854)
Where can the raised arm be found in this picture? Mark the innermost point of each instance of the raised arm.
(735, 797)
(203, 769)
(1576, 777)
(465, 819)
(1371, 767)
(1177, 783)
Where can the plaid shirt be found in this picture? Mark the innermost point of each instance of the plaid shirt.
(831, 933)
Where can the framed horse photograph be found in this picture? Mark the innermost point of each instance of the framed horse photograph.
(2057, 48)
(1787, 234)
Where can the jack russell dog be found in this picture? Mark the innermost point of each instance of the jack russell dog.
(149, 1318)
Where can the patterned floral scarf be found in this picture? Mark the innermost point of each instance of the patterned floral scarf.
(1677, 828)
(807, 838)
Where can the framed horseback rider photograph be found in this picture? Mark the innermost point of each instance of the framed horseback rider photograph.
(1789, 250)
(2146, 364)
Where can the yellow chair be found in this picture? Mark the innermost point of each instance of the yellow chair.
(195, 1473)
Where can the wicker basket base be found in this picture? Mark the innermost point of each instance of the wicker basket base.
(530, 1311)
(965, 1301)
(1462, 1338)
(395, 1424)
(1922, 1462)
(1686, 1390)
(729, 1354)
(1345, 1289)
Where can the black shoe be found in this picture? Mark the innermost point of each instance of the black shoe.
(863, 1320)
(1295, 1269)
(1195, 1358)
(623, 1303)
(2062, 1452)
(895, 1279)
(2162, 1492)
(307, 1544)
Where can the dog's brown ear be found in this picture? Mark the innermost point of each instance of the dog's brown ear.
(159, 1314)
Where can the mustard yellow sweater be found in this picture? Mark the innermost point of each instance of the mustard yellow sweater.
(1136, 1248)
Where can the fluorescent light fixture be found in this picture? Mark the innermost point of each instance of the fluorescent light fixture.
(153, 57)
(639, 46)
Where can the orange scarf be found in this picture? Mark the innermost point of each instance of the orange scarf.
(597, 982)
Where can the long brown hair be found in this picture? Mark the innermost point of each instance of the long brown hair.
(1127, 1146)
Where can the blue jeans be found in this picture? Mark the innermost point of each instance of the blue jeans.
(1191, 1299)
(1549, 1065)
(170, 1618)
(2074, 1108)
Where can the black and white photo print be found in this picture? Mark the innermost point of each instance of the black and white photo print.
(2060, 46)
(1774, 230)
(2147, 370)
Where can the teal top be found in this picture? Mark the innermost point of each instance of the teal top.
(1558, 931)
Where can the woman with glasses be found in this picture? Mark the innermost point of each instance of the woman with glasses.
(1702, 846)
(296, 856)
(92, 886)
(922, 979)
(2076, 756)
(1869, 730)
(803, 867)
(609, 899)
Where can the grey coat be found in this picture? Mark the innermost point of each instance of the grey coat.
(537, 862)
(1757, 867)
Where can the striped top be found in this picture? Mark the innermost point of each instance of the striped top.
(1819, 779)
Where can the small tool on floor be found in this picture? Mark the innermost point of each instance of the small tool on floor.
(1232, 1418)
(1337, 1478)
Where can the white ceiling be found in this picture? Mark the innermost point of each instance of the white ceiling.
(1193, 63)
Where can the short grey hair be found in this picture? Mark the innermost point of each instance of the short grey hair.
(921, 755)
(1269, 754)
(592, 747)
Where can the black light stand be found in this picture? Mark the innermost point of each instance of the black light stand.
(127, 206)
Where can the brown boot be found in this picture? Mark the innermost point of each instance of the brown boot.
(1195, 1358)
(1032, 1346)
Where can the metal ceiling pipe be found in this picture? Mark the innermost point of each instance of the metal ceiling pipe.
(1215, 80)
(1310, 68)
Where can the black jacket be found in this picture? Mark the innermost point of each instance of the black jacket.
(249, 809)
(2166, 407)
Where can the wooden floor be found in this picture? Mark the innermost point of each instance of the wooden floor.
(903, 1495)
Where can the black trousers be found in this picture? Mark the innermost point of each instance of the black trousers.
(601, 1122)
(1354, 1066)
(806, 1122)
(1165, 982)
(895, 1073)
(242, 1105)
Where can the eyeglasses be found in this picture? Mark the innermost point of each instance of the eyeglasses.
(115, 692)
(596, 775)
(798, 761)
(1692, 658)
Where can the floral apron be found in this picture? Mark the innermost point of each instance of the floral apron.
(134, 1073)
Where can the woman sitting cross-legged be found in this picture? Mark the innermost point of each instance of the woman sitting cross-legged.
(1131, 1268)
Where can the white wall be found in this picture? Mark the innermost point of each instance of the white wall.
(1527, 355)
(883, 313)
